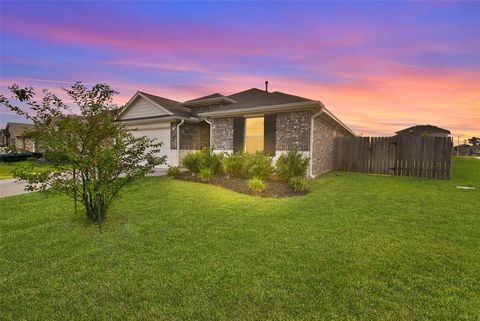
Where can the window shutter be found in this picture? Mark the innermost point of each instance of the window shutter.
(238, 134)
(269, 134)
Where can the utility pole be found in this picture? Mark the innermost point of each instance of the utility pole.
(458, 145)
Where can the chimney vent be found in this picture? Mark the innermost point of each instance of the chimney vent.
(266, 86)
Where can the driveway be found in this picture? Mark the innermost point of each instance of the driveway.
(10, 186)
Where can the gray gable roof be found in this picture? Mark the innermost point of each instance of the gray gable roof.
(17, 129)
(249, 98)
(255, 98)
(172, 105)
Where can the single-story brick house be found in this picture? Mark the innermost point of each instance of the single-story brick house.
(3, 138)
(13, 135)
(250, 120)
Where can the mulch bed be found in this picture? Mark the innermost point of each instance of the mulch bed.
(275, 187)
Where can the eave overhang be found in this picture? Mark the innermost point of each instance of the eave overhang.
(157, 119)
(261, 109)
(309, 105)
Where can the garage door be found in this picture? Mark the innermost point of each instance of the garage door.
(162, 135)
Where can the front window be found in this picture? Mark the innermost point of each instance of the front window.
(254, 134)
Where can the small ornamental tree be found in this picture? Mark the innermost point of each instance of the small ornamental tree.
(92, 157)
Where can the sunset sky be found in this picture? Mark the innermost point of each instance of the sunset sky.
(378, 66)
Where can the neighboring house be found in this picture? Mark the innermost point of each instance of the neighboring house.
(13, 135)
(474, 150)
(424, 131)
(461, 150)
(467, 150)
(250, 120)
(2, 138)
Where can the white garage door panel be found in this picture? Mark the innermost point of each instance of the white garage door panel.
(162, 135)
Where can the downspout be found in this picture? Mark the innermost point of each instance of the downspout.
(210, 123)
(310, 170)
(178, 141)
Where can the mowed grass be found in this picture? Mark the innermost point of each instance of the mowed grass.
(7, 168)
(358, 247)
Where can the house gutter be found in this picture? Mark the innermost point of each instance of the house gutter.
(211, 129)
(147, 120)
(178, 141)
(310, 169)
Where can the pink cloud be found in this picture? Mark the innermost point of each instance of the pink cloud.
(450, 100)
(177, 38)
(163, 65)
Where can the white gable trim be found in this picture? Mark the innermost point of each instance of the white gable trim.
(138, 95)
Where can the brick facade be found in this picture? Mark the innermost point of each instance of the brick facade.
(23, 144)
(192, 136)
(222, 133)
(293, 130)
(324, 134)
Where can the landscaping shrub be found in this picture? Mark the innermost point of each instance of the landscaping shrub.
(173, 172)
(233, 165)
(256, 185)
(192, 162)
(205, 158)
(208, 159)
(257, 165)
(299, 184)
(205, 174)
(292, 164)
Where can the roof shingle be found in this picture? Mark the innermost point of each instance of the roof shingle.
(255, 98)
(172, 105)
(249, 98)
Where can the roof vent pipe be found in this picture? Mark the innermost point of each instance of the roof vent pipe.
(266, 86)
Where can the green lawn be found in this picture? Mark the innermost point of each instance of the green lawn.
(7, 168)
(358, 247)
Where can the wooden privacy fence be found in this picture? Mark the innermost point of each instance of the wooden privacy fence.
(401, 156)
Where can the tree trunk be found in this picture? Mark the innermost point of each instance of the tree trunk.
(95, 208)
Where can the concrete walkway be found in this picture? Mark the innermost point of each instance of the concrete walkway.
(158, 172)
(10, 186)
